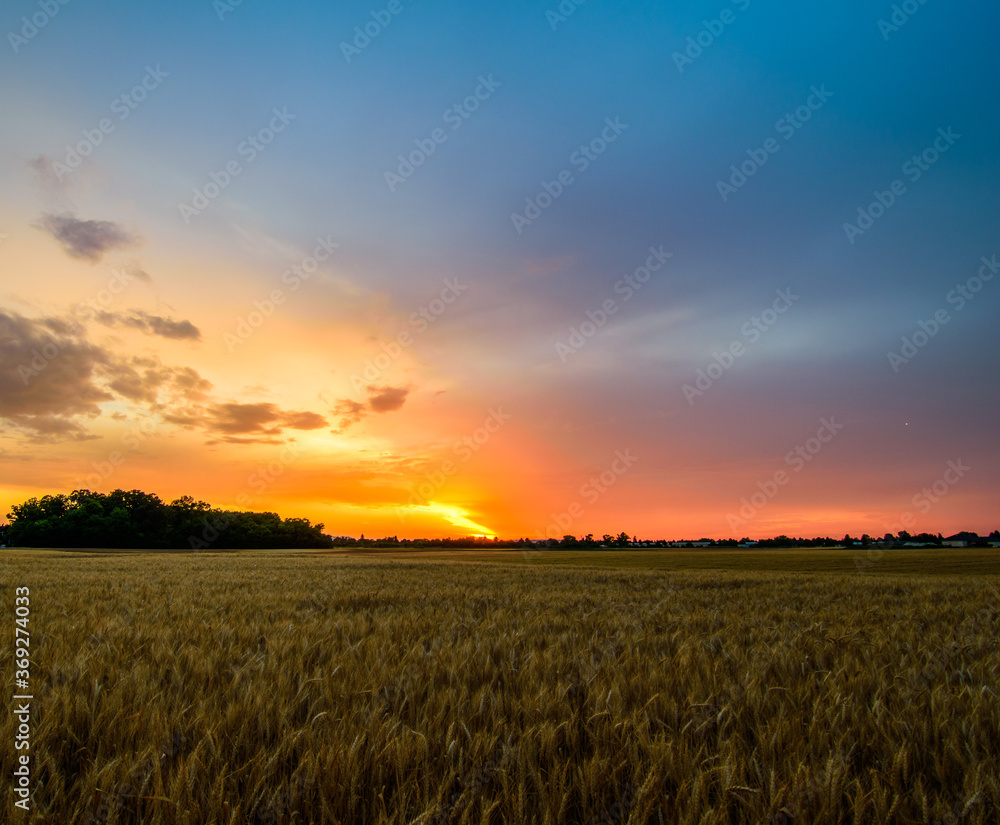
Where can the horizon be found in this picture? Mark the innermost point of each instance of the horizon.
(199, 542)
(410, 271)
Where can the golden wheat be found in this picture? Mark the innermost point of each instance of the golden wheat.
(271, 688)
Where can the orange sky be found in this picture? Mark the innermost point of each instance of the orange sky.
(280, 419)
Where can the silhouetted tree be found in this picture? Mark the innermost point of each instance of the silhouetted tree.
(134, 519)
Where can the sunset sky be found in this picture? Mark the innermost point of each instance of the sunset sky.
(506, 269)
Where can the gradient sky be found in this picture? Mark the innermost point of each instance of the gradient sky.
(130, 354)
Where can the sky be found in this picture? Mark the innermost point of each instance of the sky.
(699, 269)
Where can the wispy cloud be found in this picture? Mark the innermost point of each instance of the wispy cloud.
(151, 324)
(235, 423)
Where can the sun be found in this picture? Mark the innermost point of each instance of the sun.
(456, 516)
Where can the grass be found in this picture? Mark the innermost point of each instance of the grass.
(293, 687)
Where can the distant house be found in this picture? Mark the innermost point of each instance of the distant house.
(747, 544)
(964, 539)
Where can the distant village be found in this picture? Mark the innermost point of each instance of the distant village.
(623, 540)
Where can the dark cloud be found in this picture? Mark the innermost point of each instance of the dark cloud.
(232, 422)
(87, 240)
(387, 399)
(49, 376)
(151, 324)
(147, 380)
(380, 400)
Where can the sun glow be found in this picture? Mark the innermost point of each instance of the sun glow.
(454, 515)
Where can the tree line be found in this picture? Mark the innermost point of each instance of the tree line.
(142, 521)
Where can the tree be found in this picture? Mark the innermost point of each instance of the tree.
(134, 519)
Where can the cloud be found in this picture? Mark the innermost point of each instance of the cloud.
(87, 240)
(49, 376)
(380, 400)
(387, 399)
(146, 379)
(151, 324)
(350, 412)
(235, 423)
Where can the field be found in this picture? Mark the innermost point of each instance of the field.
(550, 688)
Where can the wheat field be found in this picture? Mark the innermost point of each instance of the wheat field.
(307, 688)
